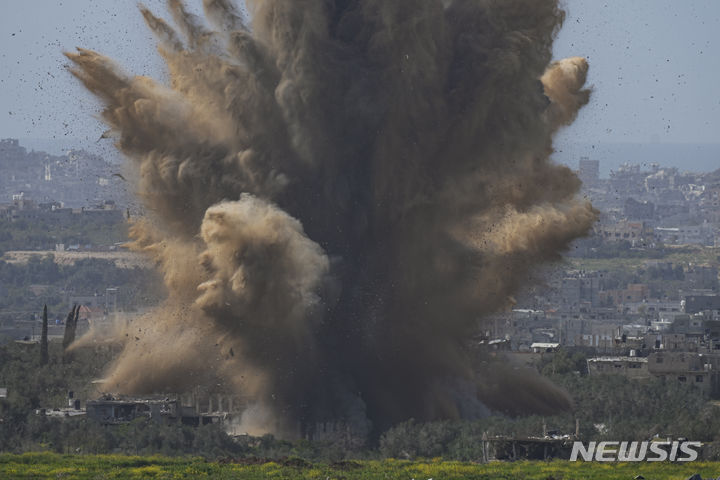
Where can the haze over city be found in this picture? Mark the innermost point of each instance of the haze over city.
(656, 98)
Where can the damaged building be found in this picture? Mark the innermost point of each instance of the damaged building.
(196, 408)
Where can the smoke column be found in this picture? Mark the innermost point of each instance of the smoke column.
(338, 193)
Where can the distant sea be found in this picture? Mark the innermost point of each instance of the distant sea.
(686, 157)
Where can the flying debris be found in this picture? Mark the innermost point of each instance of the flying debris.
(337, 195)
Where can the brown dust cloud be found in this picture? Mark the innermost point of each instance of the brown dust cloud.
(337, 193)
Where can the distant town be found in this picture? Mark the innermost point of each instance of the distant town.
(637, 279)
(636, 299)
(77, 179)
(640, 296)
(63, 220)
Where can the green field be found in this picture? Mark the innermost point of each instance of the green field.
(53, 466)
(679, 255)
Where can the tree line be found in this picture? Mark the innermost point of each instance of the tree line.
(607, 408)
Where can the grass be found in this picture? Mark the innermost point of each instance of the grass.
(696, 255)
(42, 466)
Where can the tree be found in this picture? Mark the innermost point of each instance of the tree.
(44, 338)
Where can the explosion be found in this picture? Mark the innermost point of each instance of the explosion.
(338, 192)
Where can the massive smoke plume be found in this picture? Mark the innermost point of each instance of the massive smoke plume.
(338, 193)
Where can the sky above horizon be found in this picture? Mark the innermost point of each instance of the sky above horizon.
(654, 66)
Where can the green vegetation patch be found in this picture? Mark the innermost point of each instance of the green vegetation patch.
(632, 259)
(97, 467)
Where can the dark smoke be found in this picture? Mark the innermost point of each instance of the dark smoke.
(338, 194)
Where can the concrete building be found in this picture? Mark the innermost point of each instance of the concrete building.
(190, 409)
(638, 210)
(634, 293)
(630, 367)
(589, 171)
(579, 290)
(701, 303)
(685, 368)
(689, 325)
(636, 233)
(598, 335)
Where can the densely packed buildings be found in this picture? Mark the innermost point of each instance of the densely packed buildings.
(76, 179)
(641, 314)
(655, 205)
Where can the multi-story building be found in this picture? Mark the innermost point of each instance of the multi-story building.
(589, 171)
(685, 368)
(580, 289)
(630, 367)
(636, 233)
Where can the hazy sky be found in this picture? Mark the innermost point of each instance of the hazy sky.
(654, 65)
